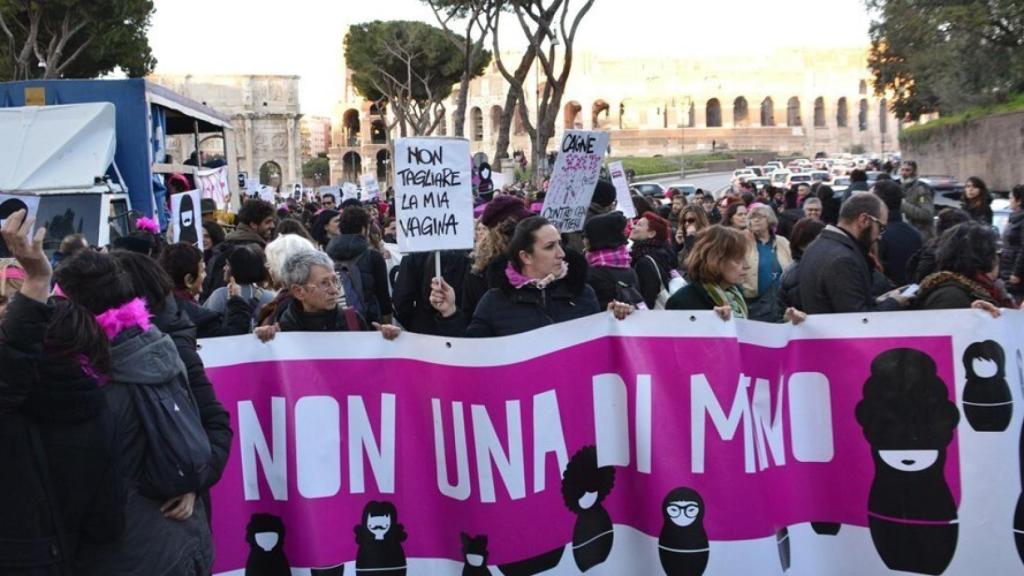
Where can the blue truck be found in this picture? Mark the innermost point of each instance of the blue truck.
(101, 205)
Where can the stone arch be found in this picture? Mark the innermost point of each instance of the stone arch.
(351, 166)
(476, 124)
(599, 107)
(883, 116)
(842, 113)
(213, 147)
(819, 112)
(862, 115)
(378, 109)
(270, 175)
(793, 112)
(573, 115)
(350, 127)
(862, 89)
(495, 120)
(740, 112)
(768, 112)
(713, 114)
(378, 132)
(519, 119)
(383, 165)
(442, 126)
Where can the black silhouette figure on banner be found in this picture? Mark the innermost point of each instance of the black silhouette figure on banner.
(1018, 516)
(683, 545)
(826, 528)
(380, 538)
(9, 206)
(474, 553)
(909, 421)
(584, 487)
(265, 535)
(782, 539)
(988, 404)
(187, 221)
(535, 565)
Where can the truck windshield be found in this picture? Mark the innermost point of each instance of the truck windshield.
(69, 214)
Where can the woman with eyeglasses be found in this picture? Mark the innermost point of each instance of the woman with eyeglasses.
(767, 255)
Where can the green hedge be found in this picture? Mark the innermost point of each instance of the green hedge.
(665, 164)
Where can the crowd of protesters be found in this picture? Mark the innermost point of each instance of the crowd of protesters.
(88, 333)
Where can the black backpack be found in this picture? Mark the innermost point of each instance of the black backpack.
(178, 451)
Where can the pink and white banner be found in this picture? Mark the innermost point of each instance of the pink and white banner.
(670, 443)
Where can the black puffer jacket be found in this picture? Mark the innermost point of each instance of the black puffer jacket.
(504, 310)
(296, 319)
(211, 324)
(150, 543)
(60, 488)
(1012, 260)
(610, 284)
(412, 290)
(376, 295)
(216, 420)
(789, 287)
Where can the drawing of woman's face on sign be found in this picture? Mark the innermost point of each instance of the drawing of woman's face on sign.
(8, 207)
(187, 220)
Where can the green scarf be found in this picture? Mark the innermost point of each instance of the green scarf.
(727, 296)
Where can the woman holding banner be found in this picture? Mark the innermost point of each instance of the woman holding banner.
(540, 284)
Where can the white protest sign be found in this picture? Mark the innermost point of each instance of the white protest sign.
(498, 180)
(9, 204)
(214, 184)
(434, 194)
(349, 192)
(572, 181)
(266, 193)
(371, 189)
(622, 197)
(185, 217)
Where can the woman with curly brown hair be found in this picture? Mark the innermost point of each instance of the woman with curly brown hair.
(717, 267)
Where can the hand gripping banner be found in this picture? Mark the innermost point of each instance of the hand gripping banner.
(669, 443)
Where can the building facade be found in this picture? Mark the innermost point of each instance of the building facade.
(316, 136)
(265, 114)
(789, 101)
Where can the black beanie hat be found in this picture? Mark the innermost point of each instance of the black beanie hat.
(606, 231)
(604, 194)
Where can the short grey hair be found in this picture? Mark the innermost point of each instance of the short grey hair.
(764, 210)
(860, 203)
(298, 266)
(280, 250)
(812, 201)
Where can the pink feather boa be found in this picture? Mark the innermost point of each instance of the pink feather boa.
(117, 320)
(147, 224)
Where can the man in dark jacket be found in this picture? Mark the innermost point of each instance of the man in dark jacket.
(835, 272)
(257, 221)
(900, 240)
(353, 246)
(918, 200)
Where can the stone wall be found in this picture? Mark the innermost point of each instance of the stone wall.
(991, 148)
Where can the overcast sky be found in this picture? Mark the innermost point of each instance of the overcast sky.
(304, 37)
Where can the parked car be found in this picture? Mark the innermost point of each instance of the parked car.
(1000, 214)
(759, 183)
(779, 177)
(649, 189)
(942, 184)
(840, 184)
(801, 178)
(687, 189)
(820, 176)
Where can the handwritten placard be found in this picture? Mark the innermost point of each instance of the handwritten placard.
(371, 188)
(624, 201)
(214, 184)
(349, 191)
(185, 216)
(573, 180)
(434, 193)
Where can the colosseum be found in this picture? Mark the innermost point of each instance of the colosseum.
(791, 101)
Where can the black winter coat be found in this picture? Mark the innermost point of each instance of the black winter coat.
(216, 420)
(211, 324)
(475, 285)
(610, 284)
(505, 311)
(60, 487)
(654, 275)
(296, 319)
(376, 294)
(691, 297)
(412, 289)
(897, 245)
(835, 277)
(789, 287)
(1012, 260)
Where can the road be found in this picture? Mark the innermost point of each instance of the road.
(708, 181)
